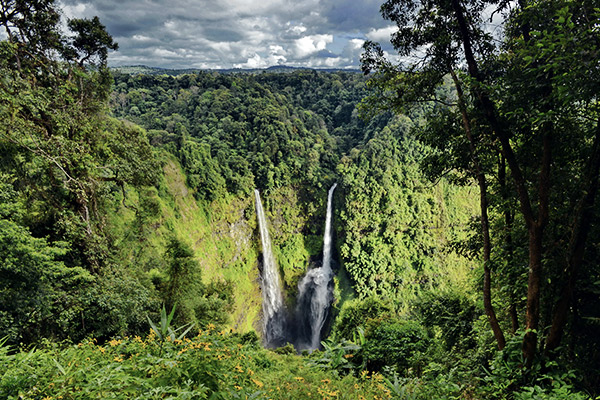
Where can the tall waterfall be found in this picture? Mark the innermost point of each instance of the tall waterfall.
(314, 291)
(274, 318)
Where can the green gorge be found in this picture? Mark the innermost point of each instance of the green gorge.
(464, 245)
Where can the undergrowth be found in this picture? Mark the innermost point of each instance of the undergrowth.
(211, 365)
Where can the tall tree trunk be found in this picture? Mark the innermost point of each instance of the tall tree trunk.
(536, 234)
(485, 224)
(508, 224)
(535, 227)
(532, 317)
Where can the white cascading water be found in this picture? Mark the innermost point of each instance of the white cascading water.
(274, 318)
(317, 281)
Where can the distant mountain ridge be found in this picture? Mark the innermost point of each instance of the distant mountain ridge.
(143, 69)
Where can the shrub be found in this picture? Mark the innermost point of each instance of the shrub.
(397, 343)
(452, 314)
(360, 313)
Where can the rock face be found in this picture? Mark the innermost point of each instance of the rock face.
(226, 239)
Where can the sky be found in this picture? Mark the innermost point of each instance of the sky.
(237, 33)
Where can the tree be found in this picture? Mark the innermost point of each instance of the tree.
(65, 160)
(91, 40)
(431, 28)
(522, 95)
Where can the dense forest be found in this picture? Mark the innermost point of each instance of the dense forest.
(465, 244)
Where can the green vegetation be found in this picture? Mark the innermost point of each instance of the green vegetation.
(466, 258)
(524, 125)
(212, 364)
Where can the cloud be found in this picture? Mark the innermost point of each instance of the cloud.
(276, 57)
(227, 33)
(354, 15)
(381, 34)
(309, 45)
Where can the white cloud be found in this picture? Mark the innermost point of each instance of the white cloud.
(255, 61)
(381, 35)
(309, 45)
(297, 29)
(276, 57)
(165, 53)
(220, 46)
(141, 38)
(356, 44)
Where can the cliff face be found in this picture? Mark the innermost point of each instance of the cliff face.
(224, 237)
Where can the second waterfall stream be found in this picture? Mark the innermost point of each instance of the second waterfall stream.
(315, 291)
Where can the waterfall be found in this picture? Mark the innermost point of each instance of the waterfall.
(328, 232)
(274, 318)
(314, 291)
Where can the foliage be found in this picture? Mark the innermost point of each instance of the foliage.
(395, 344)
(336, 356)
(548, 380)
(397, 228)
(449, 315)
(236, 132)
(360, 313)
(210, 365)
(32, 279)
(65, 167)
(101, 220)
(520, 120)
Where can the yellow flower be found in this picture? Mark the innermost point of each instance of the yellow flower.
(101, 349)
(238, 368)
(115, 342)
(118, 359)
(257, 383)
(238, 387)
(210, 326)
(299, 378)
